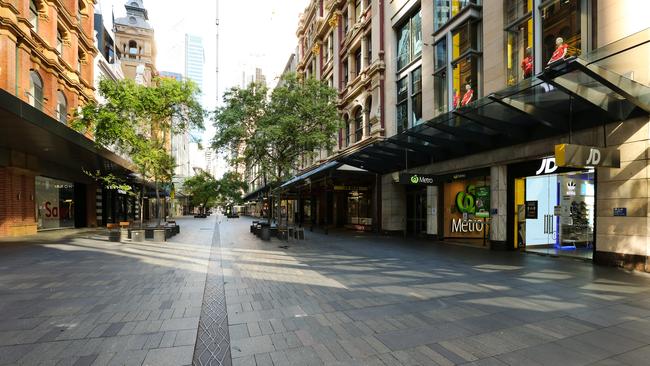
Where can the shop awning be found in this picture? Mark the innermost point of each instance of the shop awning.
(256, 194)
(26, 130)
(319, 169)
(611, 84)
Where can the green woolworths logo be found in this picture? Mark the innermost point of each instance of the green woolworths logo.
(466, 201)
(414, 179)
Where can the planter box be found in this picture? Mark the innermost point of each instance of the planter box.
(137, 235)
(159, 235)
(114, 236)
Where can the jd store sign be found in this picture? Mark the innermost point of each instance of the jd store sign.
(580, 156)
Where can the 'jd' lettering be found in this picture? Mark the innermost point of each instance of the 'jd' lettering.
(594, 157)
(548, 166)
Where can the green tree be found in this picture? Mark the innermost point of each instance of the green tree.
(202, 189)
(274, 131)
(138, 121)
(230, 189)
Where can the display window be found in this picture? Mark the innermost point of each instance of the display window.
(54, 203)
(554, 211)
(359, 208)
(561, 30)
(467, 209)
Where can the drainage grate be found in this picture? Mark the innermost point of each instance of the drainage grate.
(213, 341)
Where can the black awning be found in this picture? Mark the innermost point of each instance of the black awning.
(256, 194)
(28, 130)
(573, 94)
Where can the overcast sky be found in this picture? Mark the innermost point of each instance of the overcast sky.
(252, 33)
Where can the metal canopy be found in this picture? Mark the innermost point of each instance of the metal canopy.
(608, 85)
(28, 130)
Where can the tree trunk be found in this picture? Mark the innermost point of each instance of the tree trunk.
(157, 203)
(142, 204)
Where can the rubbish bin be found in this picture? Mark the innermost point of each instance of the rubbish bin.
(124, 234)
(114, 235)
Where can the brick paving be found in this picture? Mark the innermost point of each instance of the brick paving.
(341, 299)
(81, 300)
(347, 299)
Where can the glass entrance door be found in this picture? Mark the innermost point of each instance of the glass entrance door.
(416, 212)
(541, 232)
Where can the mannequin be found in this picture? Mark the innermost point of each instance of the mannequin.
(456, 101)
(560, 51)
(469, 94)
(527, 64)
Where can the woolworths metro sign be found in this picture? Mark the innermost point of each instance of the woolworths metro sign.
(417, 179)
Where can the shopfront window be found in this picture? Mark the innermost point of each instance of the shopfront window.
(520, 56)
(467, 209)
(465, 74)
(561, 30)
(54, 203)
(359, 208)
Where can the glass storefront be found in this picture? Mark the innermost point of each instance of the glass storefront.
(467, 210)
(54, 203)
(359, 207)
(554, 211)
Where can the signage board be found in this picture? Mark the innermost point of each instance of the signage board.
(350, 188)
(580, 156)
(620, 211)
(531, 210)
(418, 179)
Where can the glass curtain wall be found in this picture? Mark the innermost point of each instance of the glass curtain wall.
(520, 41)
(465, 59)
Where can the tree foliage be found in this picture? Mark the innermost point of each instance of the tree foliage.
(205, 191)
(138, 121)
(274, 131)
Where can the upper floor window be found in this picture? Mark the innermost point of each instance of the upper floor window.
(346, 22)
(329, 53)
(80, 11)
(465, 59)
(416, 96)
(368, 49)
(133, 47)
(519, 49)
(357, 62)
(35, 90)
(402, 105)
(59, 41)
(447, 9)
(347, 131)
(409, 40)
(358, 125)
(33, 14)
(61, 107)
(561, 30)
(80, 57)
(357, 10)
(367, 110)
(346, 74)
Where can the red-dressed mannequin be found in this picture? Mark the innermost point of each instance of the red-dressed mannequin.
(527, 65)
(456, 101)
(469, 94)
(560, 51)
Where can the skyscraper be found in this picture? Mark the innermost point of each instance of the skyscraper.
(194, 59)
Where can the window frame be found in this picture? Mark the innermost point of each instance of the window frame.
(358, 124)
(33, 14)
(36, 88)
(407, 26)
(62, 117)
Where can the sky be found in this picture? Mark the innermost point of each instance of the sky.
(252, 33)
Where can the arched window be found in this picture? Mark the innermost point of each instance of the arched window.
(59, 41)
(367, 110)
(347, 131)
(358, 125)
(35, 90)
(133, 47)
(61, 107)
(135, 5)
(33, 14)
(80, 58)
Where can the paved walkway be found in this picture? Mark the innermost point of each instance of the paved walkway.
(350, 299)
(77, 300)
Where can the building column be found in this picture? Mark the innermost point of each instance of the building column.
(498, 206)
(432, 210)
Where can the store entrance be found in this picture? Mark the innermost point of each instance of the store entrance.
(555, 214)
(416, 211)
